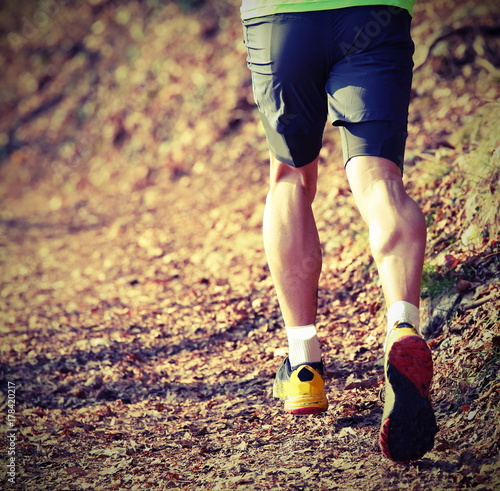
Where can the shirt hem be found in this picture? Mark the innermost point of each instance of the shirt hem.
(311, 5)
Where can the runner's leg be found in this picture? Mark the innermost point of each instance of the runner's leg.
(291, 240)
(397, 227)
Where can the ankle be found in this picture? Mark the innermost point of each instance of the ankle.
(304, 345)
(403, 312)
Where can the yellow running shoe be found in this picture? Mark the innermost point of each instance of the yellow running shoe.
(301, 388)
(408, 423)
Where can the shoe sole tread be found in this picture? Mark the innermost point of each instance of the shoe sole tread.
(408, 431)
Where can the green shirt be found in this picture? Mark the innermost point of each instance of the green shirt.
(258, 8)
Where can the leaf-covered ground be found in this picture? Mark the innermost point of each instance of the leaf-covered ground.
(139, 326)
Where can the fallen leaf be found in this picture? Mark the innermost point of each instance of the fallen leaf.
(451, 262)
(75, 471)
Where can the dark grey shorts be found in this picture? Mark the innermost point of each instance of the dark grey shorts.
(354, 64)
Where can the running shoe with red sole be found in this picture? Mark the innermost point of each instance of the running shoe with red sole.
(408, 422)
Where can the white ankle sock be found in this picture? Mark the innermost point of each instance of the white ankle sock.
(403, 312)
(303, 345)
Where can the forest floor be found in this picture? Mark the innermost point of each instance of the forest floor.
(140, 330)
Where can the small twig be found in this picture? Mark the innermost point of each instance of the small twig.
(491, 255)
(478, 303)
(487, 394)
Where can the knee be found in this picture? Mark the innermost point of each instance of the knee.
(295, 181)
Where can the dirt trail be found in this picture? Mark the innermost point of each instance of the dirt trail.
(140, 328)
